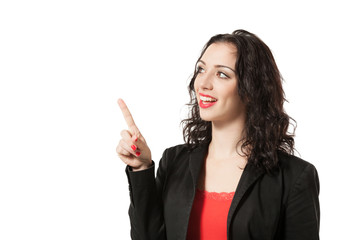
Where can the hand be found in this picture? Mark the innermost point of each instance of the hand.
(132, 148)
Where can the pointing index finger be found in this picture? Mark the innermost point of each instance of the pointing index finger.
(127, 115)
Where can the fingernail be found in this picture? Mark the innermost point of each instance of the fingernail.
(137, 153)
(136, 139)
(133, 147)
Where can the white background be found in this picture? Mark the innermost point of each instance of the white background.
(64, 64)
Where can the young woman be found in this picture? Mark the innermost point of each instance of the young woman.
(236, 176)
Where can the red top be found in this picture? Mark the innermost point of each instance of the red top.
(208, 218)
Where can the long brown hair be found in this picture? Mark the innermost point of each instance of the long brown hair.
(260, 88)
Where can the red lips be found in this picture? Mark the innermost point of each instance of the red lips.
(206, 104)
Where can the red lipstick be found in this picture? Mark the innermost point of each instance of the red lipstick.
(206, 104)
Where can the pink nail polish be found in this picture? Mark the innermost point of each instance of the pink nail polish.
(137, 153)
(133, 147)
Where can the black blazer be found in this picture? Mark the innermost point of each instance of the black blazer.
(284, 205)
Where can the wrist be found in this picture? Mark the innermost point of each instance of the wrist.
(142, 167)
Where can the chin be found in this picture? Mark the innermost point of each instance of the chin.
(207, 117)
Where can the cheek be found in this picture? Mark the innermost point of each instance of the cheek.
(229, 90)
(233, 99)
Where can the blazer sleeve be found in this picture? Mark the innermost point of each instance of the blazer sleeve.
(302, 213)
(146, 207)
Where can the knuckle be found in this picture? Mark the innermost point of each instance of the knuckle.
(124, 133)
(118, 149)
(124, 152)
(121, 150)
(124, 144)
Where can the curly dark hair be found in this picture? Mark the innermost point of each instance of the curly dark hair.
(260, 88)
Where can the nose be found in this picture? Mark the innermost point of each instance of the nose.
(204, 81)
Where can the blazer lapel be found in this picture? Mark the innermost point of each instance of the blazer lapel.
(196, 162)
(249, 176)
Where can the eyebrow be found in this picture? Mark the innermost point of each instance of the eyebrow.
(221, 66)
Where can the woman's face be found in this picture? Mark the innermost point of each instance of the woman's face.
(216, 84)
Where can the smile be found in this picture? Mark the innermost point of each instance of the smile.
(206, 100)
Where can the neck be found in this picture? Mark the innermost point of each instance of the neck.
(225, 139)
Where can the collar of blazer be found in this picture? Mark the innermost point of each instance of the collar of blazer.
(249, 176)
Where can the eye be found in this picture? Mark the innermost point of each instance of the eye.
(199, 69)
(222, 75)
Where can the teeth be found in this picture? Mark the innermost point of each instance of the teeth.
(207, 99)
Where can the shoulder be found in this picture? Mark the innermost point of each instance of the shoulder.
(177, 150)
(186, 150)
(297, 172)
(180, 155)
(293, 164)
(175, 154)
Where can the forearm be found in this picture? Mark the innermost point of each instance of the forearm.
(145, 210)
